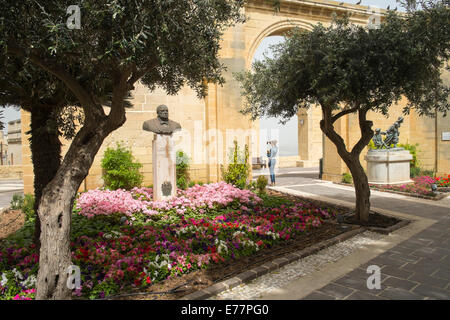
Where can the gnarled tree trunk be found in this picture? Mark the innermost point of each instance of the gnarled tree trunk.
(45, 154)
(362, 190)
(56, 206)
(351, 159)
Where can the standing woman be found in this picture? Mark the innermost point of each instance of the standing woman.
(272, 161)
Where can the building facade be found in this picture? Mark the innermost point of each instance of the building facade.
(14, 151)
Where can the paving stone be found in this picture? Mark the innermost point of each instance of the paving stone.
(412, 245)
(432, 292)
(404, 257)
(198, 295)
(357, 284)
(446, 260)
(260, 271)
(403, 250)
(431, 281)
(442, 251)
(233, 282)
(281, 262)
(216, 288)
(442, 274)
(399, 283)
(386, 261)
(396, 272)
(359, 274)
(424, 268)
(270, 266)
(318, 296)
(360, 295)
(246, 276)
(399, 294)
(336, 291)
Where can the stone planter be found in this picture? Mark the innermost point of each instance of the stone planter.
(388, 166)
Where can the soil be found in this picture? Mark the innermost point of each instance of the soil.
(375, 220)
(10, 222)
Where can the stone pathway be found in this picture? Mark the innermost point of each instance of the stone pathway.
(8, 188)
(416, 268)
(281, 277)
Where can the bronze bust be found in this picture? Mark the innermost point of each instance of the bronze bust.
(161, 124)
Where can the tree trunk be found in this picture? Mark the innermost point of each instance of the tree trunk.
(362, 189)
(351, 159)
(55, 209)
(46, 157)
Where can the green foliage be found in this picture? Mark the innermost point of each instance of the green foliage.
(274, 201)
(371, 145)
(193, 183)
(414, 171)
(429, 173)
(261, 184)
(16, 201)
(104, 289)
(182, 166)
(238, 171)
(24, 203)
(347, 178)
(120, 169)
(28, 207)
(412, 148)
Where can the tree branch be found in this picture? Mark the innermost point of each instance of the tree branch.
(116, 116)
(366, 132)
(326, 124)
(343, 113)
(89, 106)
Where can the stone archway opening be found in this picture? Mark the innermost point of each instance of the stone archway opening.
(300, 140)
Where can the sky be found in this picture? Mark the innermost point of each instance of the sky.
(11, 113)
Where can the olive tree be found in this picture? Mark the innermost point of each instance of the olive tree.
(117, 43)
(353, 69)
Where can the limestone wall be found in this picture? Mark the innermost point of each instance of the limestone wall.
(11, 172)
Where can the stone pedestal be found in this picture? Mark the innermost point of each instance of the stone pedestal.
(164, 167)
(388, 166)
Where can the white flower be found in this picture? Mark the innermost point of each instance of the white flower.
(17, 274)
(29, 282)
(4, 280)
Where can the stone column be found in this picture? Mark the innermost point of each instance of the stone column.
(164, 167)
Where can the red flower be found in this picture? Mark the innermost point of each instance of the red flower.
(148, 280)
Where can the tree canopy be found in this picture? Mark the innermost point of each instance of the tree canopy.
(350, 67)
(347, 68)
(157, 42)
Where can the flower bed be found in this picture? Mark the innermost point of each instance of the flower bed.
(120, 246)
(420, 188)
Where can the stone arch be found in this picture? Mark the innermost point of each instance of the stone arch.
(309, 143)
(275, 29)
